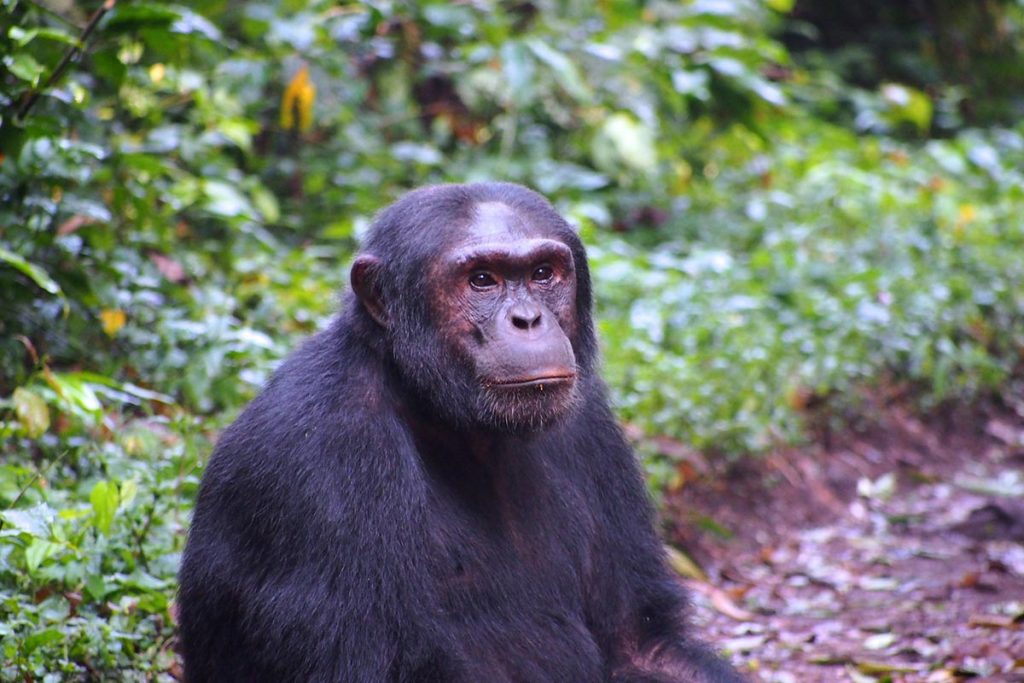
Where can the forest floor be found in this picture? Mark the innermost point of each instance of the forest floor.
(891, 551)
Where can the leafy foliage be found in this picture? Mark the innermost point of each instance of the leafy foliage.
(961, 61)
(845, 262)
(178, 207)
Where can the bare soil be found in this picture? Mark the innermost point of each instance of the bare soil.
(892, 550)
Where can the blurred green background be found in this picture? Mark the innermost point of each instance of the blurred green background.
(788, 206)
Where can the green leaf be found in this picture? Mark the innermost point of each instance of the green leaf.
(33, 415)
(416, 153)
(75, 389)
(129, 489)
(34, 521)
(564, 70)
(23, 37)
(519, 70)
(25, 67)
(781, 6)
(625, 142)
(37, 551)
(693, 83)
(96, 380)
(448, 15)
(34, 272)
(237, 131)
(225, 200)
(96, 587)
(40, 638)
(766, 90)
(908, 104)
(266, 203)
(104, 499)
(188, 22)
(137, 14)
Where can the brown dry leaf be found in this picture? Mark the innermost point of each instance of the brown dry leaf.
(74, 223)
(692, 461)
(74, 599)
(1006, 433)
(969, 580)
(724, 604)
(992, 621)
(677, 450)
(168, 267)
(977, 581)
(172, 610)
(738, 592)
(721, 601)
(30, 347)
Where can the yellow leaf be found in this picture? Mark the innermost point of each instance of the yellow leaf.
(683, 565)
(299, 95)
(112, 319)
(966, 214)
(306, 98)
(287, 109)
(32, 412)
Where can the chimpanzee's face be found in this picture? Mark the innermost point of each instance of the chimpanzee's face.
(504, 301)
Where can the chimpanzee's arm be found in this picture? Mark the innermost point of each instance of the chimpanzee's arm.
(302, 563)
(638, 610)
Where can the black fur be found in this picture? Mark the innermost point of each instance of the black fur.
(344, 532)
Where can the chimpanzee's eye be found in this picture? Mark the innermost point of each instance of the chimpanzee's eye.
(482, 280)
(543, 274)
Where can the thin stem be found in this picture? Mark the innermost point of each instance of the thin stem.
(71, 55)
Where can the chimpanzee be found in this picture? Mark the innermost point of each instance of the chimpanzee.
(434, 487)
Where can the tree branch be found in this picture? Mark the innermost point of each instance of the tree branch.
(71, 55)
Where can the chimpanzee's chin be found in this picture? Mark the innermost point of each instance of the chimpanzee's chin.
(526, 409)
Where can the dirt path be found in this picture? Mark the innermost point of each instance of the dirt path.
(894, 554)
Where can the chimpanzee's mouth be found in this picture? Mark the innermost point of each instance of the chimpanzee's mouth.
(540, 381)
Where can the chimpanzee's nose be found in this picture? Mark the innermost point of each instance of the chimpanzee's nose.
(525, 316)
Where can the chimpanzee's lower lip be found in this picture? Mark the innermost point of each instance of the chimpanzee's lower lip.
(534, 381)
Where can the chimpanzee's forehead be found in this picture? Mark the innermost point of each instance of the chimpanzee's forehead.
(495, 221)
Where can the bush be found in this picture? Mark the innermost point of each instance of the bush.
(180, 206)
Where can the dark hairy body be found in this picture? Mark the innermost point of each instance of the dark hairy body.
(434, 487)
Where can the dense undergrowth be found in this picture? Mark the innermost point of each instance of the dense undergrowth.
(178, 209)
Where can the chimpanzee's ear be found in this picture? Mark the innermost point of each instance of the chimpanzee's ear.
(366, 278)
